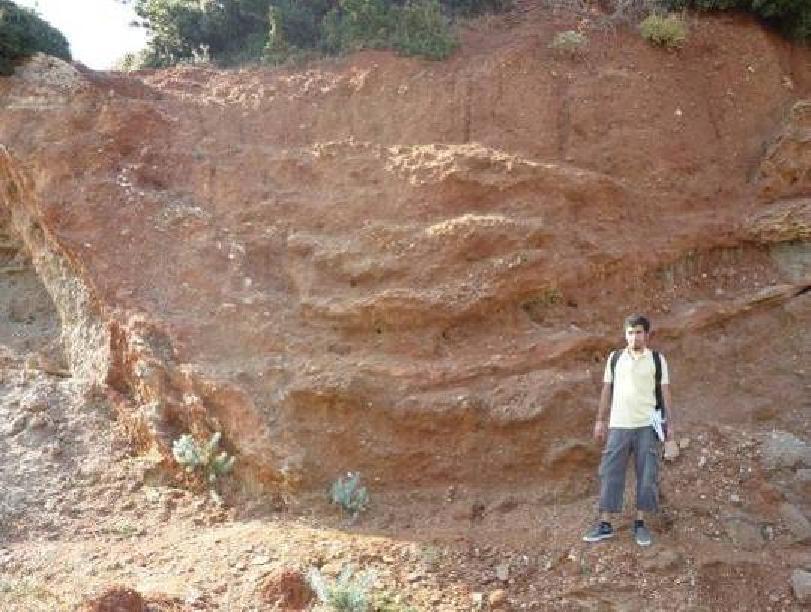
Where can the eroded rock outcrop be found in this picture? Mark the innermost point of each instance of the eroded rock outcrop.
(426, 300)
(786, 168)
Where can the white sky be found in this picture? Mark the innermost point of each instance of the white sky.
(98, 30)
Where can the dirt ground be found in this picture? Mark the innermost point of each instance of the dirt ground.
(83, 513)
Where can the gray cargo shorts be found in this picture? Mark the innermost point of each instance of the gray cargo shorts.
(643, 444)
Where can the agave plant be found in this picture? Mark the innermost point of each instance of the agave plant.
(347, 593)
(190, 454)
(349, 494)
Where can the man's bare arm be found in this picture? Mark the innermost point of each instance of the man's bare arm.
(602, 413)
(605, 399)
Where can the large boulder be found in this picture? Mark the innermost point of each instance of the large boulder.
(782, 449)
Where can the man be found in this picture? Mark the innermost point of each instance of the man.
(630, 392)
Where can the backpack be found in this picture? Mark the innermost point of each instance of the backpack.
(657, 363)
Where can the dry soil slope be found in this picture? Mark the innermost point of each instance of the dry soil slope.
(416, 269)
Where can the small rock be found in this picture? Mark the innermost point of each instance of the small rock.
(286, 589)
(801, 583)
(17, 425)
(671, 450)
(503, 572)
(116, 598)
(743, 533)
(497, 599)
(414, 577)
(477, 511)
(35, 405)
(800, 558)
(39, 421)
(194, 598)
(663, 560)
(260, 560)
(735, 499)
(477, 599)
(784, 450)
(795, 520)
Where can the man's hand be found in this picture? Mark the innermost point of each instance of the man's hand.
(599, 431)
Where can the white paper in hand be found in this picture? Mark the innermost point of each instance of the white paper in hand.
(657, 423)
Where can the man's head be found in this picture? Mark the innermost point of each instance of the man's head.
(637, 329)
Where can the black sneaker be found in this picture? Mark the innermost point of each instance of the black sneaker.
(601, 531)
(642, 535)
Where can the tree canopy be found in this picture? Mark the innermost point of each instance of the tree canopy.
(791, 16)
(23, 33)
(235, 31)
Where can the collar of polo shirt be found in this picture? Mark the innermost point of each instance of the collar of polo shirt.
(636, 355)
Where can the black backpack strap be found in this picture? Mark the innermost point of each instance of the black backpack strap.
(615, 357)
(612, 360)
(657, 364)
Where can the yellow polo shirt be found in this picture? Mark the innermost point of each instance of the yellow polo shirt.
(634, 395)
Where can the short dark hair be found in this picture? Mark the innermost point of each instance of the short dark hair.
(637, 319)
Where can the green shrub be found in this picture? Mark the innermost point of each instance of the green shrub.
(569, 42)
(274, 31)
(416, 28)
(347, 593)
(630, 11)
(358, 24)
(193, 456)
(23, 33)
(791, 16)
(470, 8)
(295, 29)
(670, 31)
(347, 493)
(129, 62)
(423, 30)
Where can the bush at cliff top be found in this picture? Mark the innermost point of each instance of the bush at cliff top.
(358, 24)
(791, 16)
(423, 30)
(670, 31)
(273, 31)
(569, 43)
(470, 8)
(416, 28)
(23, 33)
